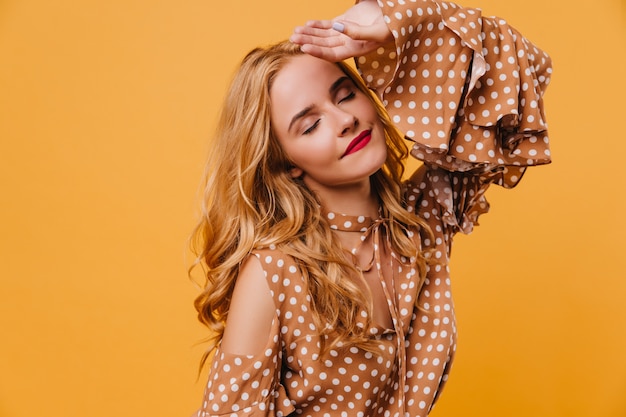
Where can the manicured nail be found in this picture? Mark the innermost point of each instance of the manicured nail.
(338, 26)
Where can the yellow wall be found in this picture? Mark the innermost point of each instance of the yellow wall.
(105, 108)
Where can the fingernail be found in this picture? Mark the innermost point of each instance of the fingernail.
(338, 26)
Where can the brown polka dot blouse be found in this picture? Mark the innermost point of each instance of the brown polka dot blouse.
(467, 90)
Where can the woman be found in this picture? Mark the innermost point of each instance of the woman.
(328, 288)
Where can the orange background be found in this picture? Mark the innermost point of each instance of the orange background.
(105, 111)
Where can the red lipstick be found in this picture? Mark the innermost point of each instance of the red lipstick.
(358, 143)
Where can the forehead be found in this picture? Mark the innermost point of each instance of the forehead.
(308, 67)
(302, 78)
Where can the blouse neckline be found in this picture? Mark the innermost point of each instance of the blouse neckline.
(348, 222)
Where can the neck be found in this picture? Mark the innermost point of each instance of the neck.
(353, 199)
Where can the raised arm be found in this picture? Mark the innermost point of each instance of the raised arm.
(466, 89)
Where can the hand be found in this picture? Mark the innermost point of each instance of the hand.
(359, 31)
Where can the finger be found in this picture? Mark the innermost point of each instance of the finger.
(310, 31)
(377, 33)
(315, 27)
(320, 24)
(328, 54)
(328, 41)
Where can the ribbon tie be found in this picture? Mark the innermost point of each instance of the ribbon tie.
(375, 228)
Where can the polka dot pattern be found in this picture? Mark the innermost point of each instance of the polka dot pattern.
(246, 384)
(467, 89)
(402, 378)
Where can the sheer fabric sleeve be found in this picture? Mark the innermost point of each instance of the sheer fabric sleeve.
(466, 89)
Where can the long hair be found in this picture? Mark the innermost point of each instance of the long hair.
(251, 201)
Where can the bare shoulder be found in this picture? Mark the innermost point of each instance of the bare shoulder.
(251, 312)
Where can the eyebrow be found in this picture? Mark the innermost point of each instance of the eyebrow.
(333, 88)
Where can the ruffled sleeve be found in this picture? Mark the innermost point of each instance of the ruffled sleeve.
(466, 89)
(242, 385)
(448, 201)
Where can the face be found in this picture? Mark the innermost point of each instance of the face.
(327, 127)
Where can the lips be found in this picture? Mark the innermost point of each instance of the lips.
(358, 143)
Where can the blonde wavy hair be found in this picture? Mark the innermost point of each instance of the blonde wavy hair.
(251, 201)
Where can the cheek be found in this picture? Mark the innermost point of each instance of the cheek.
(382, 152)
(316, 149)
(367, 108)
(309, 158)
(381, 146)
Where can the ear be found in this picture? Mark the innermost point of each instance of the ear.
(295, 172)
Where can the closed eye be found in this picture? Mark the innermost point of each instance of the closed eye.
(349, 96)
(343, 89)
(312, 128)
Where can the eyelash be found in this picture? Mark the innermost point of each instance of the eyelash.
(310, 130)
(348, 97)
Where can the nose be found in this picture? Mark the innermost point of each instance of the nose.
(347, 122)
